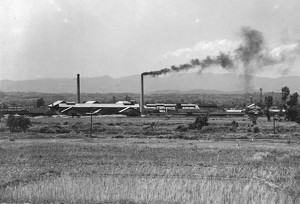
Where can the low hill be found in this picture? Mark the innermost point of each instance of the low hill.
(182, 82)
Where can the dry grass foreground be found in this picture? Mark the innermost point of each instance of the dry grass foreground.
(148, 171)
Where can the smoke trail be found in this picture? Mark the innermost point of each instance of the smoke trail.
(223, 60)
(156, 73)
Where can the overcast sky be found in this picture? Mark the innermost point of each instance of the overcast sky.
(60, 38)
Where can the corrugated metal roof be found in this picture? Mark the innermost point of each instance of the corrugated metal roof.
(124, 109)
(102, 105)
(56, 103)
(91, 102)
(66, 109)
(171, 105)
(125, 102)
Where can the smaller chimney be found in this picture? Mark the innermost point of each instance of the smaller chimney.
(142, 95)
(78, 88)
(261, 101)
(251, 100)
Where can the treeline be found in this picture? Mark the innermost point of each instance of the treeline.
(25, 99)
(222, 100)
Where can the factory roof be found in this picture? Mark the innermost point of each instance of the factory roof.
(91, 102)
(56, 103)
(172, 104)
(102, 105)
(188, 104)
(125, 102)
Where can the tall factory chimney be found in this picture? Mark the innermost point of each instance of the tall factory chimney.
(261, 100)
(142, 95)
(78, 88)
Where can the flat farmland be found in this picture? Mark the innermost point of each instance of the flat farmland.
(150, 160)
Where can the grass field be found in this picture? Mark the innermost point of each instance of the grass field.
(147, 160)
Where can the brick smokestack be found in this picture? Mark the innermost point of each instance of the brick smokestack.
(142, 95)
(78, 88)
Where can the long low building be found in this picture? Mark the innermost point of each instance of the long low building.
(94, 107)
(171, 106)
(127, 108)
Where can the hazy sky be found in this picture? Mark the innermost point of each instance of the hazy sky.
(60, 38)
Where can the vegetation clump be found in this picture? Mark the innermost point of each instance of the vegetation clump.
(255, 129)
(46, 129)
(182, 128)
(291, 105)
(269, 103)
(58, 129)
(18, 123)
(199, 122)
(298, 120)
(234, 126)
(40, 103)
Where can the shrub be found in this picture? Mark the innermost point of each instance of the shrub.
(253, 118)
(182, 128)
(186, 137)
(214, 129)
(255, 129)
(292, 114)
(46, 130)
(298, 120)
(248, 129)
(118, 136)
(234, 124)
(199, 122)
(33, 129)
(2, 129)
(18, 123)
(50, 129)
(63, 130)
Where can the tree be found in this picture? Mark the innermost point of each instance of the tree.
(114, 100)
(40, 103)
(269, 103)
(199, 122)
(127, 98)
(293, 100)
(16, 123)
(292, 112)
(285, 92)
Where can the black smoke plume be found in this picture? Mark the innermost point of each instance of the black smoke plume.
(252, 46)
(223, 60)
(250, 53)
(254, 55)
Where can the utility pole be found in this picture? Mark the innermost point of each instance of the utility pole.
(274, 124)
(91, 125)
(260, 96)
(142, 95)
(91, 114)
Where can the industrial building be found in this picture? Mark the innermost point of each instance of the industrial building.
(77, 109)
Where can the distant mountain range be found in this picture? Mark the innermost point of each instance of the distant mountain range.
(182, 82)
